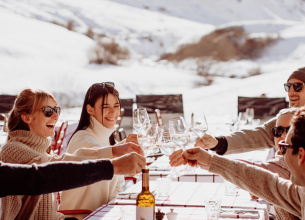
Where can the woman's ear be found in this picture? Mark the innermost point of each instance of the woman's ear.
(26, 118)
(90, 110)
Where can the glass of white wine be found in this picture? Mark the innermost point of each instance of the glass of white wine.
(139, 118)
(179, 132)
(148, 137)
(199, 124)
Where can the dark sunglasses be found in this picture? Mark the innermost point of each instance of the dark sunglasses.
(284, 146)
(100, 86)
(48, 111)
(278, 131)
(296, 86)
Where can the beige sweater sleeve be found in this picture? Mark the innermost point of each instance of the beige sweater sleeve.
(251, 139)
(260, 182)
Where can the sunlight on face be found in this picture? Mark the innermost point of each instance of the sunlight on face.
(111, 111)
(284, 121)
(296, 99)
(42, 125)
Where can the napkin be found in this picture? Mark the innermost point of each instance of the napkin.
(239, 214)
(127, 195)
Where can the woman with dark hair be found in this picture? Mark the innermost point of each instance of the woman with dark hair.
(100, 112)
(31, 123)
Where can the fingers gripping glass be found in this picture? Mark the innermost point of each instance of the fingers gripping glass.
(278, 131)
(296, 86)
(284, 146)
(100, 86)
(48, 111)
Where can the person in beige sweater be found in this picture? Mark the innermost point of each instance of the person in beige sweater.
(278, 165)
(31, 123)
(287, 194)
(100, 112)
(260, 137)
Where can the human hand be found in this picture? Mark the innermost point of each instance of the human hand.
(253, 196)
(132, 138)
(176, 158)
(206, 142)
(197, 156)
(128, 164)
(121, 149)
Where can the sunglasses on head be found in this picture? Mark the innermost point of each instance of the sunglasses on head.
(278, 131)
(284, 146)
(100, 86)
(296, 86)
(48, 111)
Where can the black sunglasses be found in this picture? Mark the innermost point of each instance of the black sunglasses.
(48, 111)
(296, 86)
(278, 131)
(100, 86)
(284, 146)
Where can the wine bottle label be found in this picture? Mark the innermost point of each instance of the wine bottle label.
(145, 213)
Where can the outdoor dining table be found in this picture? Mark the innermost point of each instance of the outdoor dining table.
(192, 194)
(113, 212)
(161, 168)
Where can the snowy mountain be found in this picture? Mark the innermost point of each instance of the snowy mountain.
(36, 53)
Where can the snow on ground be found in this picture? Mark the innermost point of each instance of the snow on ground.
(42, 55)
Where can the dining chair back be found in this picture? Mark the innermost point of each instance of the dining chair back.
(56, 147)
(263, 107)
(127, 105)
(6, 103)
(122, 134)
(170, 105)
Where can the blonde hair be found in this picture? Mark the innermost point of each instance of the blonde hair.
(28, 101)
(285, 111)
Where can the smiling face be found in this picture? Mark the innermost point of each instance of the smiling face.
(40, 124)
(110, 109)
(293, 162)
(296, 99)
(284, 121)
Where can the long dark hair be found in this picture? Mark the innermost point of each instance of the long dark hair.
(92, 95)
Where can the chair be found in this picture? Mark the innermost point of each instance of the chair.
(122, 134)
(127, 105)
(263, 107)
(56, 147)
(170, 105)
(6, 103)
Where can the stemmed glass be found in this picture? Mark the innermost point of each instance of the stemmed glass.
(199, 124)
(250, 114)
(179, 131)
(167, 147)
(148, 137)
(140, 117)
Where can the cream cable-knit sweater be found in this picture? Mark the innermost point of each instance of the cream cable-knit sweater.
(25, 147)
(93, 196)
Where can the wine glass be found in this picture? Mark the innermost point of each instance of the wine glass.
(179, 133)
(140, 117)
(250, 114)
(167, 147)
(242, 118)
(148, 137)
(199, 124)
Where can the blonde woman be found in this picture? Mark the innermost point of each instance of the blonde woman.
(31, 123)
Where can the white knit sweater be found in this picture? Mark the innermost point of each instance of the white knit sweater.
(93, 196)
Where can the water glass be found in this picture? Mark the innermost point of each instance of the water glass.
(212, 208)
(163, 187)
(230, 189)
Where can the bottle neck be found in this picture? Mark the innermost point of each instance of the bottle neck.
(145, 181)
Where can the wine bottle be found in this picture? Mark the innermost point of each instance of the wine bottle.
(145, 204)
